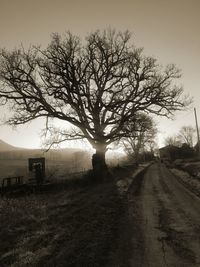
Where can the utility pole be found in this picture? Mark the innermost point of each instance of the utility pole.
(198, 139)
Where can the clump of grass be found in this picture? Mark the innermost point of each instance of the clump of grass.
(20, 218)
(74, 225)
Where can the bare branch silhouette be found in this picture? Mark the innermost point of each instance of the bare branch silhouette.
(98, 85)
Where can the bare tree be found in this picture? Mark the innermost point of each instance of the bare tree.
(141, 136)
(173, 141)
(97, 85)
(186, 135)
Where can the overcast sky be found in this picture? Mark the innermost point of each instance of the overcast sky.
(167, 29)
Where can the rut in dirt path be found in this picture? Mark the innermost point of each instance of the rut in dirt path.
(167, 216)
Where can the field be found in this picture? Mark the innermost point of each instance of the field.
(54, 169)
(10, 168)
(70, 224)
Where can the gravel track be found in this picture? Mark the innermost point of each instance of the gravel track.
(165, 218)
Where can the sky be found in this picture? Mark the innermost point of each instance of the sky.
(167, 30)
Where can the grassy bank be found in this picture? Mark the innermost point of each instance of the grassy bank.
(70, 226)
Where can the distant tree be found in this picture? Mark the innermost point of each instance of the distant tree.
(147, 156)
(98, 86)
(141, 136)
(186, 135)
(173, 141)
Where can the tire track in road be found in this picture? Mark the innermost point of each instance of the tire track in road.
(183, 209)
(170, 221)
(156, 254)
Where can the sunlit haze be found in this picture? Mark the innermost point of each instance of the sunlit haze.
(168, 30)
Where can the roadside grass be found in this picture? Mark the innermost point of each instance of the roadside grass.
(191, 182)
(75, 224)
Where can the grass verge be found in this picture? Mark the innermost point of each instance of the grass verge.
(79, 225)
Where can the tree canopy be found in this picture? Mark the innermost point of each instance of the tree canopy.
(141, 136)
(98, 85)
(185, 135)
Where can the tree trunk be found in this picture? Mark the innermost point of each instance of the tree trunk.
(99, 161)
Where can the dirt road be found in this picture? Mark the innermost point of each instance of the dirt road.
(165, 220)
